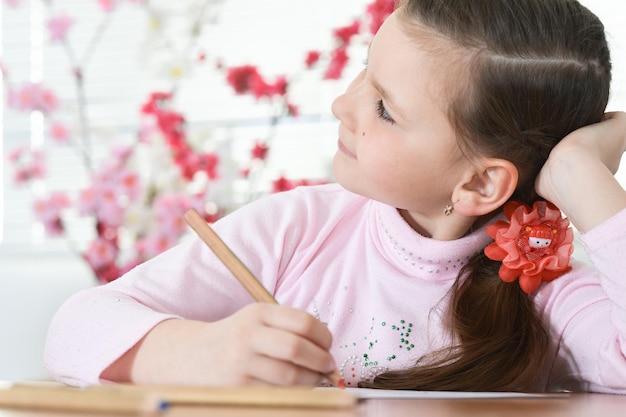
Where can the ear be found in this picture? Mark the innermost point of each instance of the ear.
(485, 187)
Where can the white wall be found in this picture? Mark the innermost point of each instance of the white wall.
(31, 289)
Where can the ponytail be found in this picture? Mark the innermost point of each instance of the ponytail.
(501, 342)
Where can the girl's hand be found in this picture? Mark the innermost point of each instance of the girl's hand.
(260, 344)
(579, 174)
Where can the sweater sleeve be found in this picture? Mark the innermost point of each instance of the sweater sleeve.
(96, 326)
(606, 247)
(586, 310)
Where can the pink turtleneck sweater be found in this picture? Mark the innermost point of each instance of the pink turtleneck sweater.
(356, 265)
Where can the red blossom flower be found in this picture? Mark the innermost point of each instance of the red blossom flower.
(157, 102)
(339, 59)
(208, 162)
(243, 78)
(311, 58)
(246, 79)
(259, 151)
(534, 246)
(344, 34)
(172, 126)
(378, 11)
(285, 184)
(279, 88)
(293, 110)
(282, 184)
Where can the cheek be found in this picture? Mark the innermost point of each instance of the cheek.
(385, 163)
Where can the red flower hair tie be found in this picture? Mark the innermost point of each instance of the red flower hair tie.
(534, 246)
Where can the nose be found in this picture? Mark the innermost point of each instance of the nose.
(343, 107)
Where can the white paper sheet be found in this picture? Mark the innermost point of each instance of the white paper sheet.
(369, 393)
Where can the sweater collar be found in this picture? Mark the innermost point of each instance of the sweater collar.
(418, 255)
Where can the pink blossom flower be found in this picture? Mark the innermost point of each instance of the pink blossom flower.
(109, 210)
(535, 246)
(130, 185)
(169, 210)
(122, 153)
(59, 132)
(147, 128)
(12, 3)
(16, 153)
(155, 244)
(33, 96)
(107, 5)
(110, 190)
(101, 252)
(87, 201)
(58, 27)
(3, 70)
(48, 211)
(27, 165)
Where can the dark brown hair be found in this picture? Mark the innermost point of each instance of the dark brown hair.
(533, 71)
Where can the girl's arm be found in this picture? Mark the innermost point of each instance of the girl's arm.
(578, 177)
(260, 344)
(585, 307)
(182, 317)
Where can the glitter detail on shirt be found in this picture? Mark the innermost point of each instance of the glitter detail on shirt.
(370, 361)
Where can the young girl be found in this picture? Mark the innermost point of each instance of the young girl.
(464, 107)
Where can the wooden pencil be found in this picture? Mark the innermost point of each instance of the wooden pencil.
(63, 398)
(239, 270)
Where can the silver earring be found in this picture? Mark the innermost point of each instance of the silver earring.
(448, 209)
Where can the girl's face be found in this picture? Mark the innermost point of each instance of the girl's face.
(395, 142)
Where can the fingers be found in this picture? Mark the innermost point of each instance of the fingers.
(269, 370)
(295, 343)
(293, 348)
(298, 322)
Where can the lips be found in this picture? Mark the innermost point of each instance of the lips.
(345, 150)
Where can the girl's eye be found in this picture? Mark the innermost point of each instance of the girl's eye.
(382, 112)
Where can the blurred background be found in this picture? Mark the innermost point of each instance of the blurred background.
(118, 115)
